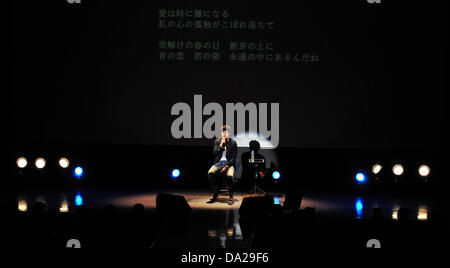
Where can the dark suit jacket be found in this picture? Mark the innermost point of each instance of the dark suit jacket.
(231, 151)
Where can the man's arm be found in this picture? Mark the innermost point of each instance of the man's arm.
(217, 148)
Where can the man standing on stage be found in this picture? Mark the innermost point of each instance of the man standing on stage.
(225, 153)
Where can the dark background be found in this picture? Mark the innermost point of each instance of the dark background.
(85, 81)
(89, 73)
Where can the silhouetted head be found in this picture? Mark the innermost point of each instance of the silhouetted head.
(81, 210)
(435, 216)
(254, 145)
(109, 210)
(377, 214)
(11, 207)
(138, 209)
(309, 213)
(403, 214)
(277, 209)
(38, 209)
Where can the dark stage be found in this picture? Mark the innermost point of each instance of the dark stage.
(321, 124)
(344, 219)
(328, 205)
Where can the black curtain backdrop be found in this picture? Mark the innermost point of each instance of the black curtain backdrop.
(89, 73)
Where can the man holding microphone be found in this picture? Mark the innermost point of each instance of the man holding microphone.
(225, 153)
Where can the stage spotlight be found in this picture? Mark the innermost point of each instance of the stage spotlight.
(395, 214)
(230, 232)
(276, 175)
(212, 233)
(40, 163)
(376, 169)
(398, 170)
(277, 199)
(64, 162)
(359, 207)
(22, 206)
(22, 162)
(78, 200)
(175, 173)
(64, 208)
(422, 214)
(78, 172)
(424, 170)
(360, 177)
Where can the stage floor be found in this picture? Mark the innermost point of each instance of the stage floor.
(217, 225)
(327, 205)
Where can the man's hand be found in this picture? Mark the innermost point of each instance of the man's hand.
(223, 141)
(224, 169)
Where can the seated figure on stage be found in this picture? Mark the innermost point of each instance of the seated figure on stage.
(225, 153)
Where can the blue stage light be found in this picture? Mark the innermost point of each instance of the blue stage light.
(359, 206)
(78, 200)
(175, 173)
(78, 172)
(276, 175)
(360, 177)
(277, 200)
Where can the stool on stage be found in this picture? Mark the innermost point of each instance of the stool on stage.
(224, 188)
